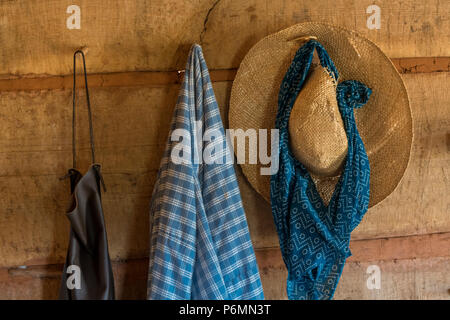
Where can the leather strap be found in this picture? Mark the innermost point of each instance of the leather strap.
(91, 129)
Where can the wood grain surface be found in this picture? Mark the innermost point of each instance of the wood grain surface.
(133, 50)
(131, 125)
(156, 35)
(163, 78)
(414, 267)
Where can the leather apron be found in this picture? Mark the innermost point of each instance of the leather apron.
(87, 271)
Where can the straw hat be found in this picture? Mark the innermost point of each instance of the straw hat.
(316, 130)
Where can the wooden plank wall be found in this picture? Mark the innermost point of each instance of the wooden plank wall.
(133, 51)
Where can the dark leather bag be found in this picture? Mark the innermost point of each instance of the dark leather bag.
(87, 271)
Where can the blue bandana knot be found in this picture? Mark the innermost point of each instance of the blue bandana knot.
(352, 94)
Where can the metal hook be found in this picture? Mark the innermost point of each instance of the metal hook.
(180, 74)
(82, 49)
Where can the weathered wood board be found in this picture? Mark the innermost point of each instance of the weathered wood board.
(156, 35)
(131, 125)
(400, 279)
(415, 267)
(407, 235)
(42, 282)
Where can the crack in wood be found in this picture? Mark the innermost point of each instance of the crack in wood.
(205, 21)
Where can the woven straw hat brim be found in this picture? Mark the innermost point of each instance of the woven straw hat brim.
(384, 123)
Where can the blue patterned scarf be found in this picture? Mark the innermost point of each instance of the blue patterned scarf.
(314, 238)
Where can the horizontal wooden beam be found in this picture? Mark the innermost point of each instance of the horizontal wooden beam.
(116, 79)
(384, 249)
(155, 78)
(422, 64)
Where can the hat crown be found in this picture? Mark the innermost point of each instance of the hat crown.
(317, 134)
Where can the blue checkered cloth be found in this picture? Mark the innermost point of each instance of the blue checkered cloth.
(200, 243)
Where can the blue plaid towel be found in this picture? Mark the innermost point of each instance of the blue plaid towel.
(200, 243)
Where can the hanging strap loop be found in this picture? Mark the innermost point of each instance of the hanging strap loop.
(91, 129)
